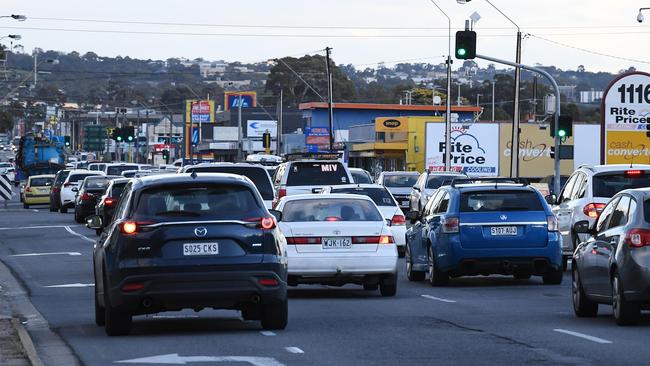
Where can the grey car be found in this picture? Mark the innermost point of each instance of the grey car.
(613, 265)
(400, 185)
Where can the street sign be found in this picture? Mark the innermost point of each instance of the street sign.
(5, 188)
(257, 128)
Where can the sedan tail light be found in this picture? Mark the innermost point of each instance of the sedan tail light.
(383, 239)
(593, 210)
(304, 240)
(282, 192)
(551, 222)
(637, 238)
(398, 220)
(450, 225)
(86, 197)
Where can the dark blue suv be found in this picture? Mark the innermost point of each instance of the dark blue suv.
(484, 227)
(189, 241)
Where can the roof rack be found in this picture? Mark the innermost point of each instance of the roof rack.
(586, 166)
(313, 156)
(496, 180)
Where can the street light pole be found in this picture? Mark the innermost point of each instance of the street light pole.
(330, 111)
(493, 83)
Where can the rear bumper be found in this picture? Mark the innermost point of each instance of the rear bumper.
(35, 200)
(311, 264)
(85, 209)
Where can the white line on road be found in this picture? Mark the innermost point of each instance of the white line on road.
(267, 333)
(39, 254)
(67, 228)
(583, 336)
(32, 227)
(437, 298)
(72, 285)
(294, 350)
(176, 359)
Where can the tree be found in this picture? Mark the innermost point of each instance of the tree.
(6, 121)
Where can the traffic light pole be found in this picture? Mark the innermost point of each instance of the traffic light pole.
(556, 161)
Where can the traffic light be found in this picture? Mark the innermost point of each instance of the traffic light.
(565, 127)
(128, 134)
(266, 140)
(465, 45)
(66, 141)
(116, 134)
(165, 154)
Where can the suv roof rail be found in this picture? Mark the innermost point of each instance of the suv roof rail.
(496, 180)
(586, 166)
(313, 156)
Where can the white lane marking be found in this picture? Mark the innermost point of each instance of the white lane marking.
(35, 210)
(267, 333)
(39, 254)
(175, 359)
(583, 336)
(67, 228)
(175, 316)
(32, 227)
(294, 350)
(438, 298)
(72, 285)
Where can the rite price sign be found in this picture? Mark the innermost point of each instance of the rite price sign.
(625, 111)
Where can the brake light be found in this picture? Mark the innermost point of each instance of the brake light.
(633, 173)
(128, 227)
(332, 218)
(593, 210)
(266, 223)
(450, 225)
(637, 238)
(131, 287)
(551, 223)
(384, 239)
(109, 201)
(55, 189)
(303, 240)
(282, 192)
(85, 197)
(398, 220)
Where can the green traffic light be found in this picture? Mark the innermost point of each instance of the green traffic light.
(461, 52)
(561, 133)
(119, 138)
(130, 138)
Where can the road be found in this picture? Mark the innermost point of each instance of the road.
(483, 320)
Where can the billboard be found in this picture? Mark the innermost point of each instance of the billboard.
(317, 139)
(625, 112)
(232, 99)
(474, 148)
(199, 111)
(391, 124)
(257, 128)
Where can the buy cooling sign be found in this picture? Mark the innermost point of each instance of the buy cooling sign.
(625, 111)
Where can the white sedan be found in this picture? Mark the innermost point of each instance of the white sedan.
(338, 239)
(387, 206)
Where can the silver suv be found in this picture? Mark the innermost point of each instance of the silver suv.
(586, 193)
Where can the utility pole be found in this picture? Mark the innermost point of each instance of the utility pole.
(278, 142)
(458, 98)
(35, 69)
(240, 154)
(514, 166)
(330, 113)
(493, 100)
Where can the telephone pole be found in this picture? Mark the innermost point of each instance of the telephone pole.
(330, 113)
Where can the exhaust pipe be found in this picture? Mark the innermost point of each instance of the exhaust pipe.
(147, 302)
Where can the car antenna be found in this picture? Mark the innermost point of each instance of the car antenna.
(193, 175)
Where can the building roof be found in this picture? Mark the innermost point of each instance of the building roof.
(391, 107)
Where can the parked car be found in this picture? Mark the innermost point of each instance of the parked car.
(37, 190)
(360, 176)
(400, 185)
(613, 266)
(70, 187)
(338, 239)
(482, 229)
(586, 193)
(386, 204)
(309, 176)
(86, 198)
(427, 185)
(108, 201)
(256, 173)
(185, 241)
(55, 193)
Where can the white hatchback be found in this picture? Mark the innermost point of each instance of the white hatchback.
(71, 185)
(338, 239)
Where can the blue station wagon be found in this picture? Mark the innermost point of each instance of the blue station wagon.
(488, 227)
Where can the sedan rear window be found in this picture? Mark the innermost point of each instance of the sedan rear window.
(95, 182)
(489, 201)
(607, 185)
(258, 175)
(317, 174)
(436, 181)
(118, 169)
(79, 177)
(400, 180)
(330, 210)
(380, 196)
(192, 202)
(41, 182)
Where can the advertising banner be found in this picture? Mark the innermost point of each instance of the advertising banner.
(474, 148)
(391, 124)
(257, 128)
(246, 98)
(199, 111)
(625, 111)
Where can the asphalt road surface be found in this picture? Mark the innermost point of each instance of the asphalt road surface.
(480, 321)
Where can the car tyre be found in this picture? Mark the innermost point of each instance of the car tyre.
(63, 209)
(582, 306)
(401, 250)
(388, 286)
(370, 286)
(25, 206)
(78, 219)
(414, 276)
(275, 315)
(436, 276)
(52, 208)
(553, 276)
(625, 312)
(116, 322)
(565, 263)
(100, 316)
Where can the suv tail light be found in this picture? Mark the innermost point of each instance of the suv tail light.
(266, 223)
(398, 220)
(304, 240)
(85, 197)
(110, 201)
(450, 225)
(551, 222)
(637, 238)
(55, 189)
(593, 210)
(634, 173)
(132, 227)
(282, 192)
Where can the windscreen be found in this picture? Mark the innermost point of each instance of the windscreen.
(258, 175)
(489, 201)
(41, 182)
(334, 209)
(118, 169)
(400, 180)
(317, 174)
(436, 181)
(198, 202)
(380, 196)
(607, 185)
(79, 177)
(360, 177)
(96, 182)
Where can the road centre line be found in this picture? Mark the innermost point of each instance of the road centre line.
(438, 298)
(40, 254)
(583, 336)
(68, 229)
(32, 227)
(267, 333)
(294, 350)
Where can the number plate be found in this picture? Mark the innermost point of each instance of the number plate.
(337, 243)
(405, 203)
(503, 230)
(201, 249)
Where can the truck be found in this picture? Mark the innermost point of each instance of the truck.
(38, 155)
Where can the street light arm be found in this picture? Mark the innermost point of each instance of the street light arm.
(502, 13)
(449, 28)
(301, 79)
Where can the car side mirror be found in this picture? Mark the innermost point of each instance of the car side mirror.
(388, 222)
(277, 214)
(582, 227)
(416, 188)
(75, 189)
(94, 222)
(413, 216)
(551, 199)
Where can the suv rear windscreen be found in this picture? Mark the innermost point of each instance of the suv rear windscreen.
(118, 169)
(317, 174)
(258, 175)
(406, 181)
(607, 185)
(488, 201)
(436, 181)
(198, 202)
(380, 196)
(95, 183)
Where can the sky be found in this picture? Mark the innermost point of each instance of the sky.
(602, 35)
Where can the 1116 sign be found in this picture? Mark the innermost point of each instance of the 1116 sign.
(640, 91)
